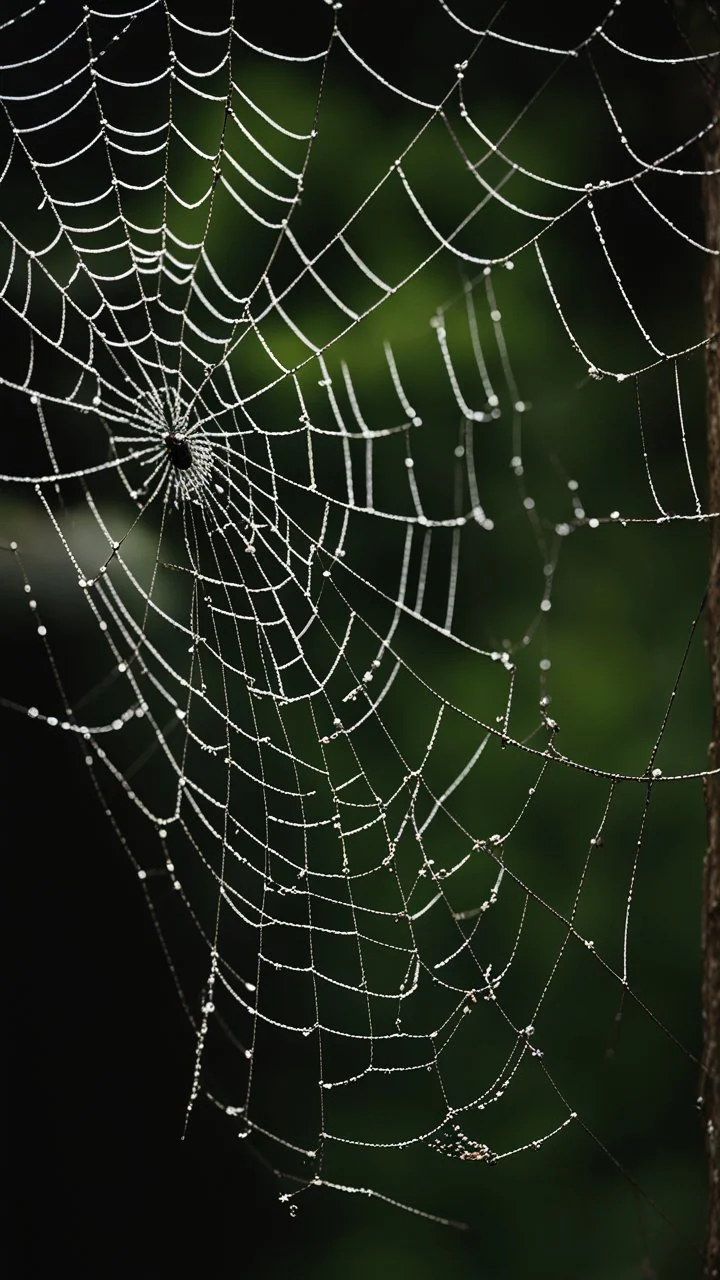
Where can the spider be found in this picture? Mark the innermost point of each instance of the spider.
(179, 451)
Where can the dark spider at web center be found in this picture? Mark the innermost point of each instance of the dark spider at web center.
(179, 451)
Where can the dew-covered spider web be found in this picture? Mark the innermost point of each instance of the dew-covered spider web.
(356, 539)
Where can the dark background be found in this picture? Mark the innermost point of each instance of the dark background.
(101, 1058)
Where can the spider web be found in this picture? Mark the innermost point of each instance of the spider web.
(371, 689)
